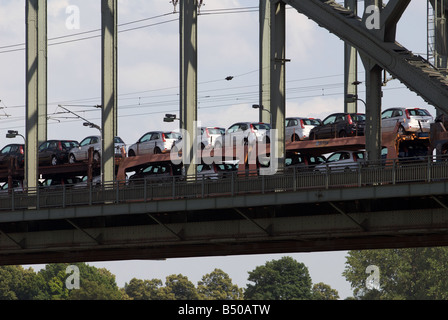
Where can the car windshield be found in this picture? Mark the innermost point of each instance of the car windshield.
(312, 122)
(261, 126)
(171, 135)
(418, 112)
(213, 131)
(69, 144)
(358, 117)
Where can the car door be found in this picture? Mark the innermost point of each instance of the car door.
(325, 131)
(155, 141)
(44, 156)
(81, 153)
(143, 144)
(386, 120)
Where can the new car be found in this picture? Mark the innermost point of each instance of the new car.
(297, 128)
(154, 142)
(81, 152)
(54, 152)
(157, 173)
(407, 120)
(338, 125)
(244, 133)
(342, 161)
(12, 151)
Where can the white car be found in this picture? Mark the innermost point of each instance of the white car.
(209, 136)
(342, 161)
(245, 132)
(81, 153)
(297, 128)
(216, 171)
(154, 142)
(408, 119)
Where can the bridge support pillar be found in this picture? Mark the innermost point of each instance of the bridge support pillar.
(188, 83)
(265, 60)
(278, 80)
(36, 86)
(109, 88)
(350, 68)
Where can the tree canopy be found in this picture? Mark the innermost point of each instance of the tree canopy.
(277, 279)
(402, 274)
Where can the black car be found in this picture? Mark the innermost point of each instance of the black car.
(53, 152)
(12, 151)
(339, 125)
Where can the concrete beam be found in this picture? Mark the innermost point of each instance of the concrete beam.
(109, 87)
(278, 79)
(350, 67)
(265, 60)
(36, 86)
(188, 83)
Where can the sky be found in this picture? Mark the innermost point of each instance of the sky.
(148, 87)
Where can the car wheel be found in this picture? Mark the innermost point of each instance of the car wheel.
(313, 136)
(54, 161)
(157, 150)
(401, 130)
(217, 145)
(295, 137)
(71, 158)
(342, 134)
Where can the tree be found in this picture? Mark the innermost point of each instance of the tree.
(322, 291)
(17, 283)
(415, 273)
(178, 287)
(283, 279)
(144, 289)
(217, 285)
(94, 283)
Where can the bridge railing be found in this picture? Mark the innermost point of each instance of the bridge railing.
(290, 179)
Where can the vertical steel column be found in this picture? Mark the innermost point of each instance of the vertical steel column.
(265, 61)
(278, 89)
(373, 98)
(373, 110)
(36, 86)
(188, 83)
(350, 68)
(109, 87)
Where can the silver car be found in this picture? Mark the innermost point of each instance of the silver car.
(342, 161)
(408, 119)
(154, 142)
(245, 132)
(297, 128)
(81, 153)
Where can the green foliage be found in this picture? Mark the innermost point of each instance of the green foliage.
(281, 279)
(322, 291)
(284, 279)
(217, 285)
(404, 274)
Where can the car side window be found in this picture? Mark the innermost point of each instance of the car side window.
(397, 113)
(155, 136)
(43, 146)
(6, 150)
(329, 120)
(334, 157)
(85, 142)
(386, 114)
(340, 118)
(146, 137)
(233, 128)
(52, 145)
(344, 156)
(243, 127)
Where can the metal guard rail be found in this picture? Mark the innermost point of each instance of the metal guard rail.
(291, 179)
